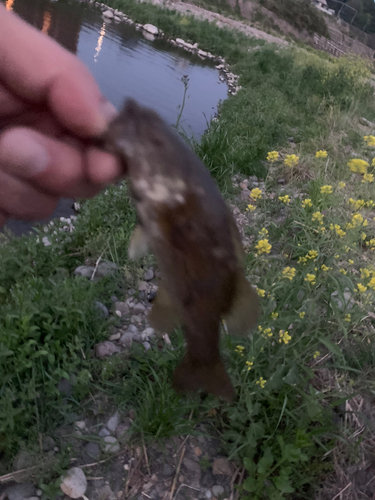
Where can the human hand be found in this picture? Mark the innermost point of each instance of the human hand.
(50, 106)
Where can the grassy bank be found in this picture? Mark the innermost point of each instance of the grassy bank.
(312, 260)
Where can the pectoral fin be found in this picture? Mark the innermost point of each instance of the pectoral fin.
(138, 246)
(245, 309)
(163, 315)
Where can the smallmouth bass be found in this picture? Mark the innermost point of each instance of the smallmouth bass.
(185, 222)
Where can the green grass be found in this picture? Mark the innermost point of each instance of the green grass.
(283, 422)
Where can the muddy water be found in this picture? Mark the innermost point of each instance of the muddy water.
(126, 64)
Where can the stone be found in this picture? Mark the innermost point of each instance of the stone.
(113, 298)
(90, 453)
(244, 184)
(127, 339)
(217, 490)
(113, 421)
(202, 53)
(138, 308)
(148, 274)
(102, 310)
(136, 319)
(122, 432)
(180, 41)
(142, 286)
(132, 328)
(105, 349)
(48, 443)
(85, 271)
(111, 445)
(109, 14)
(23, 460)
(148, 332)
(146, 345)
(150, 28)
(167, 470)
(115, 336)
(104, 432)
(222, 466)
(245, 194)
(344, 301)
(74, 484)
(192, 466)
(106, 269)
(117, 19)
(123, 307)
(20, 491)
(208, 494)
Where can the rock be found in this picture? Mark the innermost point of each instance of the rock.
(117, 19)
(222, 466)
(146, 345)
(343, 302)
(85, 271)
(148, 274)
(244, 184)
(123, 307)
(136, 319)
(138, 308)
(102, 310)
(113, 298)
(217, 490)
(132, 328)
(127, 339)
(167, 470)
(142, 286)
(90, 453)
(151, 295)
(202, 53)
(111, 445)
(109, 14)
(105, 349)
(208, 494)
(113, 421)
(148, 332)
(150, 28)
(115, 336)
(23, 460)
(245, 193)
(122, 432)
(81, 425)
(106, 269)
(180, 41)
(74, 484)
(20, 491)
(192, 466)
(48, 443)
(104, 432)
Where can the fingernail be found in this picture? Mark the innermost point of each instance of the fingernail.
(23, 153)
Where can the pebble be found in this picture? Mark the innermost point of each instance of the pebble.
(132, 328)
(148, 332)
(48, 443)
(123, 307)
(81, 424)
(136, 319)
(105, 349)
(102, 310)
(85, 271)
(122, 432)
(111, 445)
(222, 466)
(115, 336)
(109, 14)
(104, 432)
(138, 308)
(113, 422)
(90, 453)
(113, 298)
(146, 345)
(208, 494)
(74, 484)
(20, 491)
(148, 274)
(167, 470)
(142, 286)
(127, 339)
(217, 490)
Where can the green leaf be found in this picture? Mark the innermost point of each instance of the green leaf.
(334, 348)
(264, 464)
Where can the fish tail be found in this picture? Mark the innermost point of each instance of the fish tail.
(212, 377)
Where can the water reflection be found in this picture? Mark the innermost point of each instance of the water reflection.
(9, 4)
(46, 22)
(98, 48)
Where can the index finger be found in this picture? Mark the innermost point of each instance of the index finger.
(37, 69)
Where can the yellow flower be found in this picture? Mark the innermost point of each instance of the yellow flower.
(318, 216)
(249, 365)
(302, 314)
(371, 243)
(285, 199)
(316, 354)
(348, 317)
(263, 246)
(239, 350)
(342, 271)
(373, 162)
(325, 268)
(358, 166)
(272, 156)
(336, 256)
(307, 203)
(310, 278)
(261, 382)
(261, 292)
(327, 189)
(351, 261)
(263, 232)
(341, 185)
(371, 283)
(363, 236)
(321, 154)
(291, 160)
(274, 315)
(369, 204)
(312, 254)
(361, 288)
(356, 204)
(346, 248)
(322, 229)
(357, 220)
(256, 194)
(289, 273)
(302, 260)
(368, 178)
(250, 208)
(365, 273)
(337, 229)
(267, 332)
(370, 140)
(284, 337)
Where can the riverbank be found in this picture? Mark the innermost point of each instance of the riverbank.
(76, 344)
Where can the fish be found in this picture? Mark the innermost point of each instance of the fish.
(184, 221)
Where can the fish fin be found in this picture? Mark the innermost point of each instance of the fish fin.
(212, 378)
(138, 246)
(245, 310)
(163, 315)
